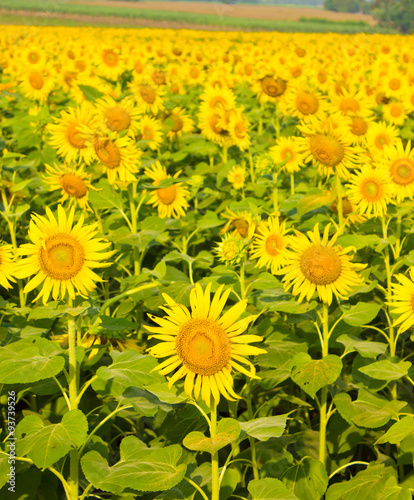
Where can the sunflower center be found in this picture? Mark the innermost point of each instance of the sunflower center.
(239, 130)
(381, 140)
(326, 149)
(75, 137)
(73, 185)
(33, 57)
(274, 87)
(36, 80)
(394, 84)
(241, 225)
(213, 125)
(203, 346)
(61, 257)
(167, 195)
(349, 105)
(194, 73)
(178, 123)
(274, 244)
(307, 103)
(148, 94)
(158, 77)
(287, 154)
(147, 133)
(359, 126)
(80, 66)
(110, 58)
(320, 265)
(322, 77)
(117, 118)
(371, 190)
(395, 110)
(108, 152)
(402, 171)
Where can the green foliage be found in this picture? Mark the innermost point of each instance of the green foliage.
(396, 14)
(228, 430)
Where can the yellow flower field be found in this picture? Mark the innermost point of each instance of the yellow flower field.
(206, 265)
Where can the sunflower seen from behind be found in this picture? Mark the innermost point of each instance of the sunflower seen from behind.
(204, 346)
(316, 264)
(62, 256)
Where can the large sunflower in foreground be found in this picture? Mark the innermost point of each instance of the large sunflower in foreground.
(7, 266)
(61, 256)
(202, 346)
(317, 264)
(402, 301)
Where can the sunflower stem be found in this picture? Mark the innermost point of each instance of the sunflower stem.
(339, 204)
(275, 196)
(134, 223)
(251, 439)
(241, 281)
(324, 395)
(73, 398)
(252, 174)
(214, 456)
(292, 184)
(224, 155)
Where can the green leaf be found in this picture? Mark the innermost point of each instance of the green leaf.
(314, 201)
(386, 369)
(367, 349)
(129, 369)
(399, 431)
(269, 489)
(90, 93)
(266, 427)
(139, 468)
(30, 360)
(377, 481)
(307, 479)
(105, 197)
(46, 444)
(361, 314)
(228, 430)
(311, 375)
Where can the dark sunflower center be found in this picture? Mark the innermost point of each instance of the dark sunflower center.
(75, 137)
(321, 265)
(73, 185)
(108, 152)
(273, 87)
(36, 80)
(117, 118)
(274, 244)
(402, 171)
(167, 195)
(61, 257)
(327, 149)
(307, 103)
(203, 346)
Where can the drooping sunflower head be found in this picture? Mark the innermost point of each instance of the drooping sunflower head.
(204, 346)
(61, 255)
(241, 224)
(315, 264)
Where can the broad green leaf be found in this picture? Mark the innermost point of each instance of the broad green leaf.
(105, 196)
(399, 431)
(165, 394)
(361, 314)
(314, 201)
(269, 489)
(368, 410)
(129, 369)
(311, 374)
(307, 479)
(376, 482)
(228, 430)
(90, 93)
(341, 436)
(359, 240)
(288, 306)
(30, 360)
(46, 444)
(266, 427)
(139, 468)
(386, 369)
(367, 349)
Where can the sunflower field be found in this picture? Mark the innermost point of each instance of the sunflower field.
(206, 265)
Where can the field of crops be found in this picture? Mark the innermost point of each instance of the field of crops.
(206, 265)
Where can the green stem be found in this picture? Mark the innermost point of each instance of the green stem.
(292, 184)
(398, 244)
(242, 281)
(134, 223)
(324, 395)
(252, 174)
(214, 456)
(339, 204)
(73, 398)
(109, 302)
(251, 439)
(224, 155)
(275, 196)
(345, 466)
(197, 487)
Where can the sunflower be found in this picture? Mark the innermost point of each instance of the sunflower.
(269, 246)
(271, 87)
(118, 116)
(61, 256)
(213, 98)
(73, 182)
(370, 190)
(400, 164)
(230, 249)
(394, 112)
(150, 130)
(118, 156)
(287, 152)
(109, 62)
(237, 176)
(402, 300)
(303, 101)
(182, 123)
(351, 104)
(66, 134)
(380, 135)
(172, 200)
(238, 128)
(211, 124)
(242, 224)
(7, 265)
(203, 346)
(148, 95)
(36, 84)
(358, 127)
(316, 264)
(328, 146)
